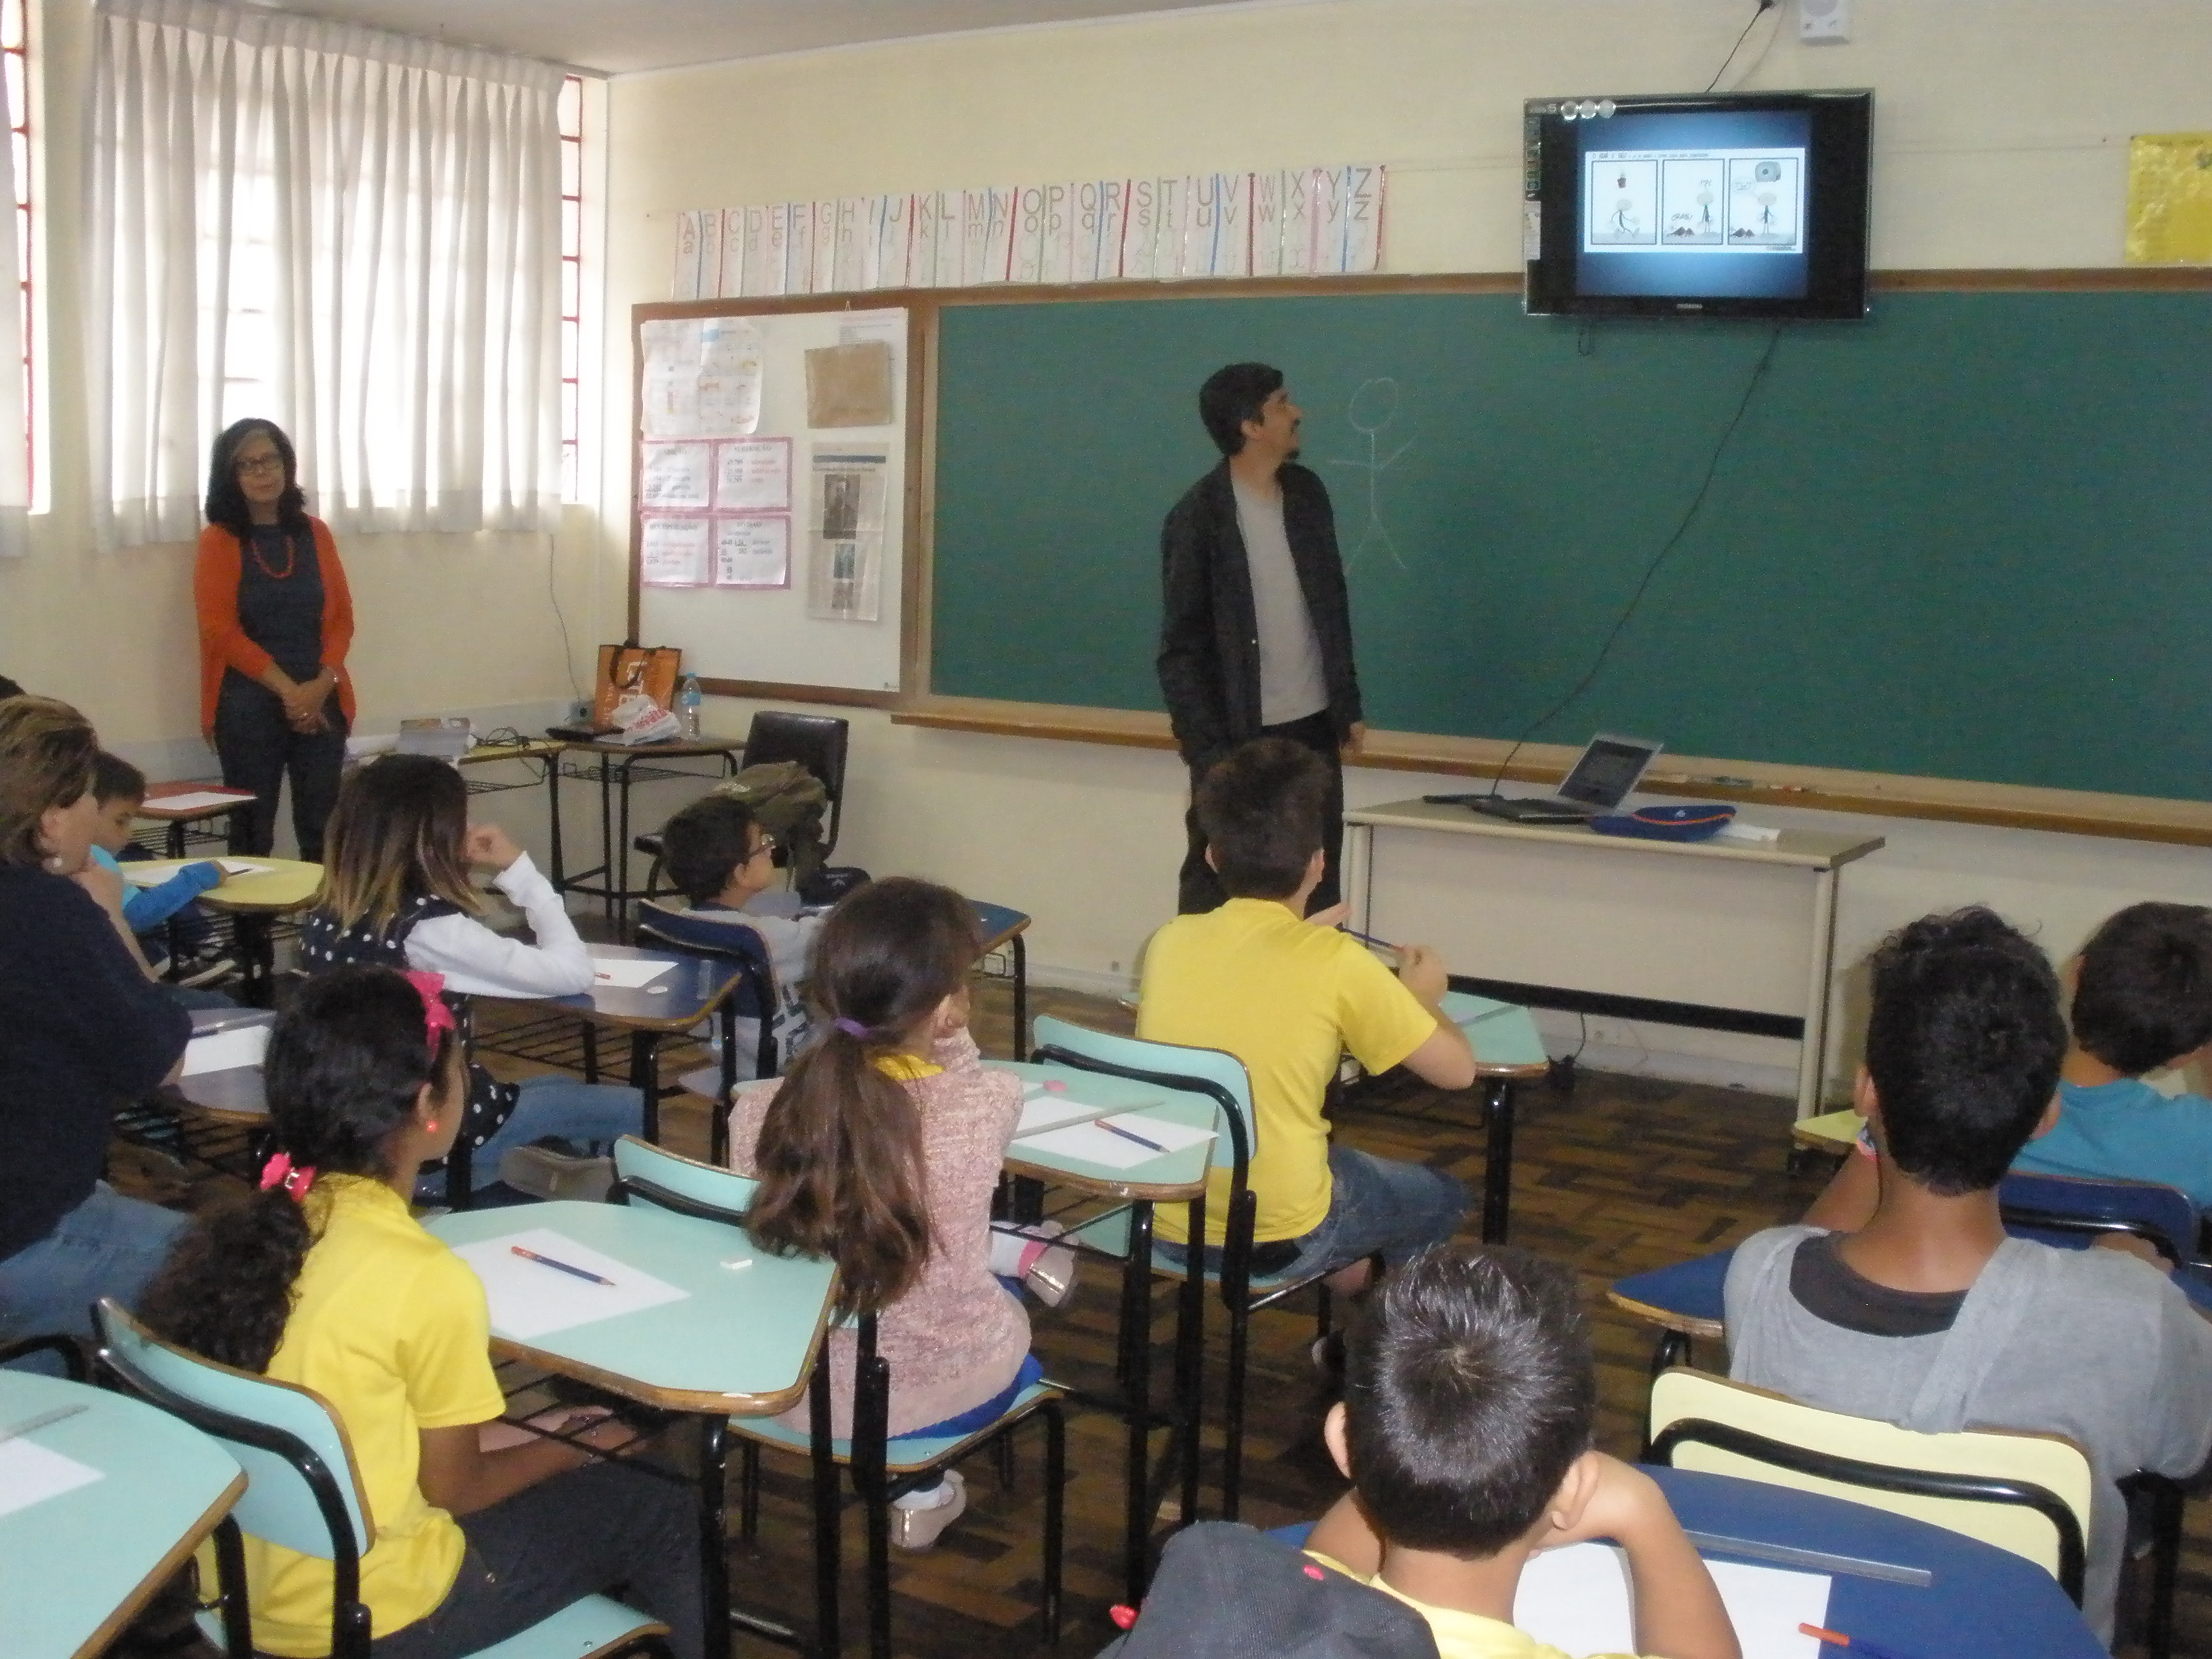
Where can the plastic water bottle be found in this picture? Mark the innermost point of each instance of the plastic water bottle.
(688, 699)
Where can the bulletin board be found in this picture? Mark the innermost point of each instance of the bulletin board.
(771, 503)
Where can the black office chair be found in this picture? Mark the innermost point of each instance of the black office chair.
(816, 742)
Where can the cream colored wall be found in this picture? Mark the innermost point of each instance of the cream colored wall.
(2001, 130)
(444, 623)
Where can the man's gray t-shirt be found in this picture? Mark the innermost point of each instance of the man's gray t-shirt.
(1292, 684)
(2090, 1344)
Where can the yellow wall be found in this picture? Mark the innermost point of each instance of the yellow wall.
(2001, 129)
(445, 622)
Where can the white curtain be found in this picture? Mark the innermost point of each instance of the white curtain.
(354, 234)
(14, 413)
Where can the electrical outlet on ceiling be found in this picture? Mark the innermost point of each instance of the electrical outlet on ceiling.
(1823, 22)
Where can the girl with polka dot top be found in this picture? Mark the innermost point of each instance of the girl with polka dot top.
(396, 893)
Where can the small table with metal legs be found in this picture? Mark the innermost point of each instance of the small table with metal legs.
(616, 767)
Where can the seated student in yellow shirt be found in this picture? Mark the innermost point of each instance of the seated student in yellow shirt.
(1260, 980)
(324, 1279)
(1469, 1396)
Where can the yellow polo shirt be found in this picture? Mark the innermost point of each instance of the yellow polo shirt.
(1465, 1635)
(1287, 998)
(390, 1328)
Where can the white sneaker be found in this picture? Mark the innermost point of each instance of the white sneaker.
(917, 1529)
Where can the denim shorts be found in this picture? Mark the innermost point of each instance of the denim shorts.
(1376, 1205)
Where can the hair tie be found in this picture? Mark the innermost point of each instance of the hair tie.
(852, 1028)
(437, 1018)
(294, 1179)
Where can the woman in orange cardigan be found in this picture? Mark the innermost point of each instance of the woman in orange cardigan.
(275, 619)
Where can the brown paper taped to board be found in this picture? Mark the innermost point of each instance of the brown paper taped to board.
(849, 384)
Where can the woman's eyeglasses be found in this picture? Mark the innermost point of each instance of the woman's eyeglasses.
(764, 847)
(257, 464)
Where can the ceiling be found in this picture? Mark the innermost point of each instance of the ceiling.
(620, 36)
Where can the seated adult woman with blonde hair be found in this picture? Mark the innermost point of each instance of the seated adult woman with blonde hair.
(83, 1029)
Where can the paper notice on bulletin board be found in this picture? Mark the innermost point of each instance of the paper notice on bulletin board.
(752, 550)
(845, 544)
(702, 377)
(2170, 199)
(676, 478)
(753, 475)
(673, 550)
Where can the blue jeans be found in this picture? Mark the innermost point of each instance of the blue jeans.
(549, 1106)
(1376, 1205)
(109, 1245)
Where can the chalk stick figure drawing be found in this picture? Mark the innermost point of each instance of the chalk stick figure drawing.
(1373, 408)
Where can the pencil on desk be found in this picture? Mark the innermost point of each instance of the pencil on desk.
(548, 1261)
(1856, 1643)
(1126, 1134)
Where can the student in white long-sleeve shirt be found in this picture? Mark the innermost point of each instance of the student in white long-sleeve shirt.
(396, 893)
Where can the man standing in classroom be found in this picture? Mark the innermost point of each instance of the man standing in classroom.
(1255, 631)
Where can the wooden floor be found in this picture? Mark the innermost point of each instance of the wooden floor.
(1623, 1175)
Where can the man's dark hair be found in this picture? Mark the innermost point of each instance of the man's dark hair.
(1261, 811)
(1232, 396)
(1963, 1043)
(115, 778)
(703, 846)
(1468, 1393)
(9, 688)
(2144, 993)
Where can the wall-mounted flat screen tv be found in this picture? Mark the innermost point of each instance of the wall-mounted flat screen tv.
(1738, 205)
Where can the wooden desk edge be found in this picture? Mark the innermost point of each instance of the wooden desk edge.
(164, 1570)
(1667, 1318)
(1149, 1191)
(1521, 1071)
(697, 1402)
(1871, 795)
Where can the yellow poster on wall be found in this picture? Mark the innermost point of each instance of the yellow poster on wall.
(2170, 199)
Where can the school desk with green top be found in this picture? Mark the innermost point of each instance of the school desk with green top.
(741, 1342)
(1174, 1177)
(1508, 1052)
(81, 1562)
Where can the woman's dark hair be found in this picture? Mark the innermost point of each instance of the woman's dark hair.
(704, 845)
(838, 1156)
(1232, 396)
(345, 1063)
(1964, 1043)
(226, 501)
(400, 831)
(1468, 1393)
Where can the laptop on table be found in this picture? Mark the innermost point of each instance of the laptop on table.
(1608, 769)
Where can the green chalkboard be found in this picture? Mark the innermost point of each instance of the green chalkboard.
(1970, 539)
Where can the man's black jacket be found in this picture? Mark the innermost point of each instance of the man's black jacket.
(1209, 661)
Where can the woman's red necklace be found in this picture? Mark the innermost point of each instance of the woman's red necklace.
(291, 558)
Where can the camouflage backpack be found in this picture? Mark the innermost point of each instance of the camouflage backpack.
(788, 801)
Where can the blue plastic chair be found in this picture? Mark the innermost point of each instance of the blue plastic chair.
(883, 1469)
(303, 1493)
(1221, 1078)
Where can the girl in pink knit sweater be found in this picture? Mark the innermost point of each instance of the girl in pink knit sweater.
(881, 1147)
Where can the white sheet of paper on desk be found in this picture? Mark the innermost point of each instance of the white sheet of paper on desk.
(529, 1298)
(626, 973)
(1577, 1600)
(30, 1473)
(1086, 1143)
(226, 1051)
(1048, 1110)
(145, 872)
(198, 800)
